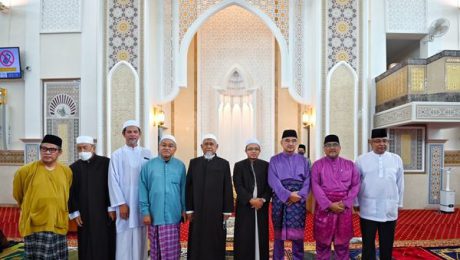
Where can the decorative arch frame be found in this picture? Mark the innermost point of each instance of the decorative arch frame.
(109, 99)
(355, 102)
(181, 64)
(244, 74)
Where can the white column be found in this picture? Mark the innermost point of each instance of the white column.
(33, 86)
(91, 60)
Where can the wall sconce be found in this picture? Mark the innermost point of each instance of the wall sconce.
(3, 8)
(2, 96)
(307, 117)
(158, 117)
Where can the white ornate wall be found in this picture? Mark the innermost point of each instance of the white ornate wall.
(236, 36)
(342, 108)
(122, 102)
(408, 16)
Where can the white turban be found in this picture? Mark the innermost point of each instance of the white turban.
(168, 137)
(131, 123)
(252, 141)
(209, 136)
(85, 139)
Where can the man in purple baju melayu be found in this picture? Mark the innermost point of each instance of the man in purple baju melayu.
(289, 177)
(335, 183)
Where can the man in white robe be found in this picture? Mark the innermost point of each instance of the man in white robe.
(380, 196)
(124, 172)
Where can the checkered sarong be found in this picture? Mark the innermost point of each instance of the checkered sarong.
(164, 242)
(45, 245)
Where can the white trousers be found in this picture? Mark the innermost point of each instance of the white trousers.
(132, 244)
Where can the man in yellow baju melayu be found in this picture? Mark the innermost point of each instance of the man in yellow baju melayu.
(41, 189)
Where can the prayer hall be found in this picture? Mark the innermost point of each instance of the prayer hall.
(241, 69)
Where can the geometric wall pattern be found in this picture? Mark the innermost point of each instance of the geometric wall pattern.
(341, 103)
(235, 37)
(122, 100)
(407, 16)
(278, 11)
(123, 29)
(409, 143)
(59, 16)
(435, 157)
(62, 115)
(342, 34)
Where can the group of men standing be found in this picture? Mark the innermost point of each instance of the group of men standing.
(115, 201)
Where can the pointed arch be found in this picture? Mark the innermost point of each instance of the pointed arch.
(122, 100)
(245, 75)
(181, 65)
(340, 103)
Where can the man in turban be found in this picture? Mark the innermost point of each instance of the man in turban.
(209, 202)
(124, 171)
(89, 203)
(253, 197)
(162, 200)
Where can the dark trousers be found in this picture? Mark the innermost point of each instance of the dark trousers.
(386, 238)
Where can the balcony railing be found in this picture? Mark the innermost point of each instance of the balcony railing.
(435, 79)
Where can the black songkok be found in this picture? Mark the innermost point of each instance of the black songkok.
(52, 139)
(379, 133)
(302, 146)
(331, 139)
(289, 133)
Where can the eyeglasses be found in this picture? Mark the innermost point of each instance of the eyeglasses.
(44, 149)
(331, 145)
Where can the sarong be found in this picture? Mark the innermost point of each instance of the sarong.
(45, 245)
(164, 242)
(289, 221)
(329, 226)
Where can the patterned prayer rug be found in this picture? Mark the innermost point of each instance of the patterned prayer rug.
(16, 252)
(450, 253)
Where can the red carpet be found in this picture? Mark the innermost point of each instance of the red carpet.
(412, 225)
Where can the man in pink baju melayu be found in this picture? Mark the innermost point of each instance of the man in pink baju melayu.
(335, 185)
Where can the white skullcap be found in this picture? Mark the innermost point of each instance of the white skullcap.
(85, 139)
(252, 141)
(131, 123)
(168, 137)
(209, 136)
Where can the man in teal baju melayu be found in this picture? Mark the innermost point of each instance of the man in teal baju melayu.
(162, 200)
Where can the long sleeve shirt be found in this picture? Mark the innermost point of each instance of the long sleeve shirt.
(285, 166)
(382, 186)
(162, 190)
(334, 175)
(124, 171)
(42, 196)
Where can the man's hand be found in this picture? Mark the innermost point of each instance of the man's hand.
(337, 207)
(124, 211)
(147, 220)
(256, 203)
(226, 217)
(190, 217)
(356, 209)
(79, 221)
(293, 198)
(112, 215)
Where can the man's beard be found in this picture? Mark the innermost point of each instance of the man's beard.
(208, 155)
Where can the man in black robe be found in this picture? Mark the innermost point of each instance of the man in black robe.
(253, 197)
(209, 202)
(89, 203)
